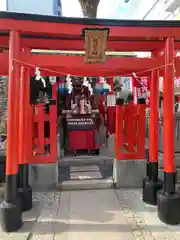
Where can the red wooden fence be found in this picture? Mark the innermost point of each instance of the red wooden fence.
(43, 149)
(130, 132)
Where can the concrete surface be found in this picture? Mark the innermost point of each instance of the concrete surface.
(129, 174)
(44, 175)
(85, 177)
(86, 184)
(91, 215)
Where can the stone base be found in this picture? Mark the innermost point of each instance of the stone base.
(11, 216)
(44, 175)
(150, 189)
(25, 195)
(129, 173)
(168, 207)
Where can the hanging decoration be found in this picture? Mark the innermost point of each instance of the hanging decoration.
(69, 85)
(102, 85)
(38, 76)
(52, 79)
(87, 84)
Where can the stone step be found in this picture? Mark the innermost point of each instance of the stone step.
(94, 172)
(85, 173)
(92, 168)
(85, 184)
(84, 160)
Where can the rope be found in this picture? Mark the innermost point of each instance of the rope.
(63, 73)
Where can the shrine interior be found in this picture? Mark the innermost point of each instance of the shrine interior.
(82, 113)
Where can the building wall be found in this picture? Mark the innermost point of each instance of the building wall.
(42, 7)
(150, 9)
(164, 10)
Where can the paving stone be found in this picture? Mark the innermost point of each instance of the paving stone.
(98, 216)
(62, 218)
(146, 217)
(95, 214)
(44, 227)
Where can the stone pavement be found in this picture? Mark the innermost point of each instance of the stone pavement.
(90, 215)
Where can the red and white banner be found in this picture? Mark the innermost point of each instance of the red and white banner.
(140, 88)
(177, 82)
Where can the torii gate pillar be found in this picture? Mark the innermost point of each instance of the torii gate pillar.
(11, 213)
(168, 200)
(151, 184)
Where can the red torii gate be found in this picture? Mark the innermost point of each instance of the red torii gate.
(22, 32)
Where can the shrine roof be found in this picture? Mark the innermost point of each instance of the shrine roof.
(87, 21)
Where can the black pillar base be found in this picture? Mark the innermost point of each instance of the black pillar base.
(11, 216)
(145, 180)
(150, 189)
(2, 167)
(168, 207)
(25, 195)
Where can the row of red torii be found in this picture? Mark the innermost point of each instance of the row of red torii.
(18, 63)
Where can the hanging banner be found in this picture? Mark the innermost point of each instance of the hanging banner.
(176, 85)
(177, 82)
(140, 88)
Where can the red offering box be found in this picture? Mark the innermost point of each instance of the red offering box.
(82, 139)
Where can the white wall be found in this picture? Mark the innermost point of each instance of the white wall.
(42, 7)
(2, 5)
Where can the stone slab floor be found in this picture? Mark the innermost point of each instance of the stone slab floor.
(90, 215)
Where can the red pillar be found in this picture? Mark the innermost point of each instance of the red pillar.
(24, 190)
(168, 103)
(11, 219)
(26, 113)
(25, 103)
(168, 201)
(119, 128)
(154, 119)
(13, 102)
(151, 184)
(111, 108)
(22, 119)
(141, 121)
